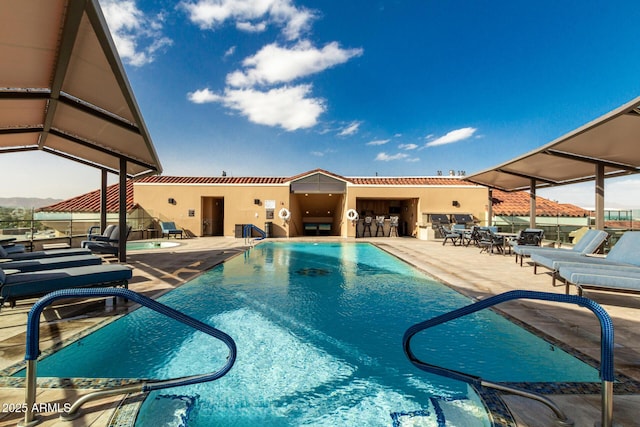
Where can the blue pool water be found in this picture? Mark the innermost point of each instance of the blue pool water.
(318, 329)
(141, 245)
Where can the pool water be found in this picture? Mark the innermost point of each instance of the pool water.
(319, 330)
(136, 246)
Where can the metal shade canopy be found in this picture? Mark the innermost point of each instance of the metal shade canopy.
(611, 142)
(63, 88)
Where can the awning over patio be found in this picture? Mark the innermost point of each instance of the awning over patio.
(606, 147)
(63, 88)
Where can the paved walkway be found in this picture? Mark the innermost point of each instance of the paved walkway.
(463, 268)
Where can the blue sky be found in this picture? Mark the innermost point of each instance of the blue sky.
(362, 87)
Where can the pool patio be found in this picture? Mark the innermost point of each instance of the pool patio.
(463, 268)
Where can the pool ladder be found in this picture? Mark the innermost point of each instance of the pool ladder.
(32, 351)
(606, 350)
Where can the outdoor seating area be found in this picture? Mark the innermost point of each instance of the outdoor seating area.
(25, 275)
(384, 226)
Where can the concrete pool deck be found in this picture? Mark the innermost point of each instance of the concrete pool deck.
(463, 268)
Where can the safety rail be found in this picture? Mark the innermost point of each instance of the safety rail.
(32, 350)
(606, 349)
(247, 233)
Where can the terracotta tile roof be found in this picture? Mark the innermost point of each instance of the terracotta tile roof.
(227, 180)
(417, 180)
(518, 202)
(90, 202)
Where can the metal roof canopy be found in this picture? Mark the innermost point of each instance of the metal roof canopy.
(604, 148)
(63, 89)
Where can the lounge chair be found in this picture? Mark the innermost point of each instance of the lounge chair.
(110, 246)
(626, 252)
(104, 237)
(42, 254)
(19, 286)
(588, 244)
(600, 277)
(51, 263)
(170, 228)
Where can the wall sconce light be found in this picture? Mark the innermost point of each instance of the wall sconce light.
(455, 203)
(256, 201)
(171, 201)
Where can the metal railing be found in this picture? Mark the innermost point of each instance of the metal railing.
(606, 349)
(33, 337)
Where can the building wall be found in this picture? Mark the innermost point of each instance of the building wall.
(239, 206)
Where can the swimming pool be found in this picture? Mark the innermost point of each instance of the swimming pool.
(141, 245)
(318, 329)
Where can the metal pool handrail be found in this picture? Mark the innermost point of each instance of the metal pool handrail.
(606, 348)
(33, 336)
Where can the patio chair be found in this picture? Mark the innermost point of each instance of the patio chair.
(110, 247)
(611, 278)
(625, 253)
(367, 225)
(489, 240)
(169, 228)
(588, 244)
(17, 286)
(103, 237)
(51, 263)
(526, 239)
(380, 225)
(42, 254)
(450, 235)
(393, 226)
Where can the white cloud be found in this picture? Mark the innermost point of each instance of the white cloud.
(384, 157)
(230, 51)
(209, 14)
(378, 142)
(276, 64)
(252, 28)
(453, 136)
(203, 96)
(137, 37)
(408, 146)
(351, 129)
(287, 107)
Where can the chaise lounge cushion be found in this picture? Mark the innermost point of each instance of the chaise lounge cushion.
(51, 263)
(33, 284)
(625, 252)
(43, 254)
(588, 244)
(602, 277)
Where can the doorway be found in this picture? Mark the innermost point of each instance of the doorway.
(212, 216)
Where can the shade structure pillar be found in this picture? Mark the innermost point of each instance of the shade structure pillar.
(600, 196)
(103, 201)
(532, 205)
(122, 211)
(490, 208)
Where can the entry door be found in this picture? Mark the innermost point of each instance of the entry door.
(212, 216)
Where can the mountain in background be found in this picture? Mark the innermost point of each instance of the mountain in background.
(26, 202)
